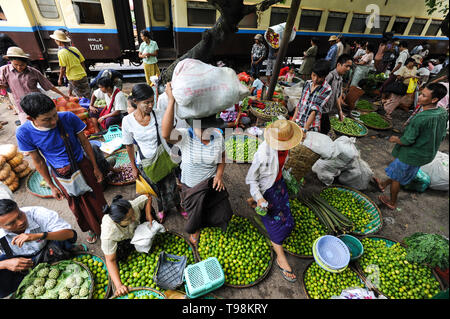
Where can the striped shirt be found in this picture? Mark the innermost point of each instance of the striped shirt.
(40, 220)
(199, 161)
(312, 101)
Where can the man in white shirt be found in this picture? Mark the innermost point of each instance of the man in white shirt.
(26, 236)
(402, 57)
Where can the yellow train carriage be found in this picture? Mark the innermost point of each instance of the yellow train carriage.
(406, 19)
(91, 23)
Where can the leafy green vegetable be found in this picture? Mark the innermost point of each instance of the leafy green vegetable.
(431, 249)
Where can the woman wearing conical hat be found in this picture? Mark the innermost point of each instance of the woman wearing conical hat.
(268, 188)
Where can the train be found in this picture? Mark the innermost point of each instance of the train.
(108, 30)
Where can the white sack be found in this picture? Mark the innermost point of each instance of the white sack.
(438, 172)
(202, 90)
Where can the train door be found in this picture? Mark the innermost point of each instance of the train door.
(159, 17)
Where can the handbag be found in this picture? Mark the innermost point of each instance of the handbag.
(75, 185)
(161, 164)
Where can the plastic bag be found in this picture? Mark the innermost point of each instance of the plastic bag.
(295, 90)
(144, 234)
(5, 192)
(438, 172)
(326, 170)
(420, 183)
(345, 149)
(412, 86)
(292, 184)
(278, 30)
(292, 103)
(202, 90)
(357, 293)
(358, 176)
(320, 143)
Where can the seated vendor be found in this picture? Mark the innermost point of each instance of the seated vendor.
(118, 226)
(257, 84)
(116, 105)
(26, 236)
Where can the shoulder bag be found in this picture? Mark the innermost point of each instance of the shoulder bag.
(161, 164)
(75, 184)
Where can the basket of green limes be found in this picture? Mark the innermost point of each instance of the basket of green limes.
(243, 252)
(97, 266)
(141, 293)
(318, 283)
(385, 266)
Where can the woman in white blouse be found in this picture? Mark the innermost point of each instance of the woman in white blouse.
(118, 226)
(268, 188)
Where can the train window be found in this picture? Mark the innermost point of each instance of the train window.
(200, 14)
(418, 26)
(278, 15)
(159, 10)
(434, 28)
(310, 20)
(336, 21)
(400, 25)
(383, 24)
(358, 24)
(48, 9)
(88, 11)
(249, 21)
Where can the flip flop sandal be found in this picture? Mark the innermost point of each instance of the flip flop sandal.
(91, 238)
(80, 248)
(385, 202)
(284, 272)
(193, 241)
(161, 216)
(184, 214)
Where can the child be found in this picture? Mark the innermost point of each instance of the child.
(257, 84)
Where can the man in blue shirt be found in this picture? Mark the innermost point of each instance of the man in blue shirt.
(332, 54)
(42, 137)
(26, 236)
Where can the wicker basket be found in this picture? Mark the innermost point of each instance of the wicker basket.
(351, 267)
(266, 117)
(364, 130)
(98, 258)
(33, 185)
(301, 160)
(372, 208)
(84, 267)
(379, 128)
(122, 159)
(266, 272)
(139, 291)
(389, 243)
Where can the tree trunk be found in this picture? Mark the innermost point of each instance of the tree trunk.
(283, 47)
(231, 13)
